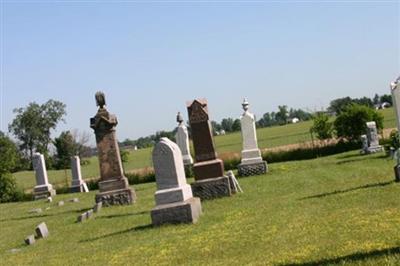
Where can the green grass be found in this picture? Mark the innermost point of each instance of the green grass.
(267, 138)
(341, 209)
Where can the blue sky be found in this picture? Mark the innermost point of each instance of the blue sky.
(151, 57)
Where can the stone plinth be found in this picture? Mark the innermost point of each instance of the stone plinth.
(207, 166)
(43, 189)
(180, 212)
(174, 198)
(252, 162)
(78, 184)
(212, 188)
(113, 186)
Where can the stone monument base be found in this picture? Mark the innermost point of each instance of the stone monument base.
(78, 189)
(397, 173)
(249, 169)
(208, 169)
(374, 149)
(43, 192)
(187, 211)
(211, 188)
(115, 192)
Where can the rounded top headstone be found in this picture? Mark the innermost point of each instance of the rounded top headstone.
(245, 104)
(100, 99)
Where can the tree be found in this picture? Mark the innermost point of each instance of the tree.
(65, 149)
(338, 105)
(386, 98)
(322, 127)
(33, 124)
(8, 162)
(282, 115)
(81, 140)
(376, 99)
(9, 157)
(227, 124)
(351, 123)
(364, 101)
(236, 125)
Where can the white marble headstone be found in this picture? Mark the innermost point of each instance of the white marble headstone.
(395, 86)
(39, 165)
(170, 173)
(182, 139)
(372, 134)
(250, 151)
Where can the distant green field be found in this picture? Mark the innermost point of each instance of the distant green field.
(337, 210)
(267, 138)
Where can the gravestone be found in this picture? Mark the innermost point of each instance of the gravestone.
(97, 207)
(182, 139)
(210, 181)
(78, 185)
(252, 162)
(373, 138)
(43, 189)
(30, 240)
(42, 231)
(395, 87)
(174, 199)
(364, 141)
(113, 186)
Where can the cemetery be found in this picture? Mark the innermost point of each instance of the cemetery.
(299, 186)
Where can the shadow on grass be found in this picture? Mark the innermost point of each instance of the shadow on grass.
(122, 215)
(362, 158)
(44, 215)
(355, 257)
(381, 184)
(133, 229)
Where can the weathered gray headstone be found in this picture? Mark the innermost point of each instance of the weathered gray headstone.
(252, 162)
(42, 189)
(210, 181)
(78, 184)
(373, 138)
(364, 141)
(89, 214)
(60, 203)
(38, 210)
(97, 207)
(30, 240)
(82, 217)
(113, 186)
(174, 199)
(182, 139)
(42, 231)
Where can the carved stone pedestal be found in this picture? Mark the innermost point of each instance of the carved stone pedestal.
(258, 168)
(187, 211)
(212, 188)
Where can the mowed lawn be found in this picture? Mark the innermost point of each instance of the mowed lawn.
(267, 138)
(341, 209)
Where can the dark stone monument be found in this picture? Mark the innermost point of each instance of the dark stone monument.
(210, 181)
(113, 186)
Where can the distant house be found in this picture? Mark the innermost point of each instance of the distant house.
(383, 105)
(295, 120)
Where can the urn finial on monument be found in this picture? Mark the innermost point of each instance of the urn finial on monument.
(245, 105)
(252, 162)
(113, 185)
